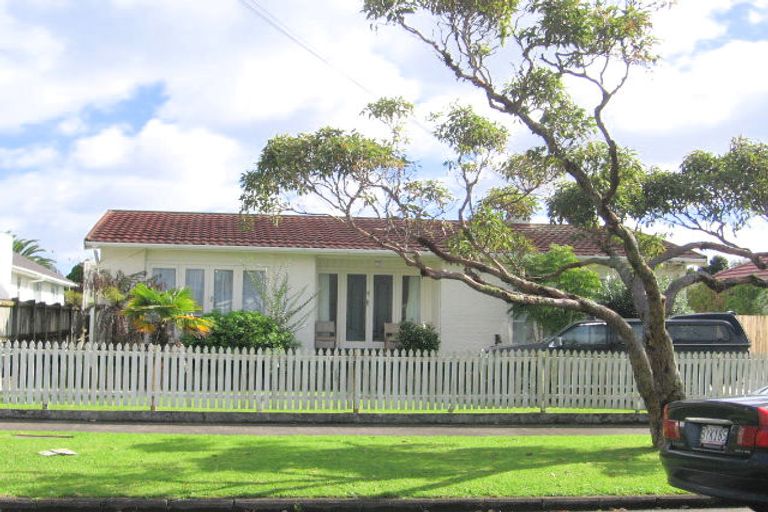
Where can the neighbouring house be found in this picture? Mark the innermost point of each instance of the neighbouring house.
(743, 270)
(24, 279)
(361, 291)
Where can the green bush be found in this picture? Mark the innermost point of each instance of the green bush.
(413, 336)
(243, 329)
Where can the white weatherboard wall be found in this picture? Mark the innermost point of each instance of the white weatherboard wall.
(470, 320)
(300, 269)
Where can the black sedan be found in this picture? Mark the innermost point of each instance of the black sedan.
(719, 447)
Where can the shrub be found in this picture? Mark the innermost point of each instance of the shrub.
(243, 329)
(413, 336)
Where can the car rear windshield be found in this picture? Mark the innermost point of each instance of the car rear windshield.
(704, 333)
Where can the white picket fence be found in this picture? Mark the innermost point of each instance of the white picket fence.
(177, 377)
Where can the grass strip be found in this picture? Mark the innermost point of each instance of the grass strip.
(187, 466)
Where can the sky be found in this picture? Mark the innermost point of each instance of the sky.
(163, 104)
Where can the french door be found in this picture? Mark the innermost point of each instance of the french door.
(369, 305)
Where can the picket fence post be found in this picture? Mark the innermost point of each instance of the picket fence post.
(542, 362)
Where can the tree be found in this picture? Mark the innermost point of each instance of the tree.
(520, 54)
(108, 295)
(31, 250)
(76, 274)
(581, 281)
(156, 312)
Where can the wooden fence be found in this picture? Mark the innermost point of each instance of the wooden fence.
(29, 320)
(147, 376)
(756, 328)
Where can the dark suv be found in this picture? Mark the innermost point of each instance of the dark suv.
(701, 332)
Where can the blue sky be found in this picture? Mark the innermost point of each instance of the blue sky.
(162, 104)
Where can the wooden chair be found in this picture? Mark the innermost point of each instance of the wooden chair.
(390, 335)
(325, 334)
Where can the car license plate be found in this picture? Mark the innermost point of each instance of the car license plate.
(713, 436)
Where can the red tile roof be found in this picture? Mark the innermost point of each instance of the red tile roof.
(292, 231)
(746, 269)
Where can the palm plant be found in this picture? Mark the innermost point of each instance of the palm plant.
(31, 249)
(156, 312)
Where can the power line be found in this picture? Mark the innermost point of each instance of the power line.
(278, 25)
(275, 22)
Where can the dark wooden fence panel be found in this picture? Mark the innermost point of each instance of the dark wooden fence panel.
(30, 320)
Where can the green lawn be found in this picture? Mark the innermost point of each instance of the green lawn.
(155, 465)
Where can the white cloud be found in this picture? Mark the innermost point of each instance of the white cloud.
(708, 90)
(163, 166)
(681, 27)
(26, 157)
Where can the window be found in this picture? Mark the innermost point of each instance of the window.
(411, 298)
(222, 290)
(585, 335)
(253, 283)
(194, 279)
(357, 290)
(38, 292)
(327, 298)
(382, 305)
(165, 277)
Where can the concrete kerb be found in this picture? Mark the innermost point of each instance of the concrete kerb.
(362, 505)
(265, 418)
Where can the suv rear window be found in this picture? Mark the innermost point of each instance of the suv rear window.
(693, 334)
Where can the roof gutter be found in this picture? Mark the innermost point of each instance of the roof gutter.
(40, 277)
(242, 248)
(296, 250)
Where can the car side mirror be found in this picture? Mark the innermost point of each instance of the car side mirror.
(557, 342)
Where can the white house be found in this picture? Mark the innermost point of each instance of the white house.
(26, 280)
(359, 287)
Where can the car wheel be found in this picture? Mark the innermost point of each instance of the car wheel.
(759, 507)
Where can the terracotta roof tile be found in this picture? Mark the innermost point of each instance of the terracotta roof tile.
(292, 231)
(746, 269)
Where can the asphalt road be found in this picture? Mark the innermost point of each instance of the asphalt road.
(319, 430)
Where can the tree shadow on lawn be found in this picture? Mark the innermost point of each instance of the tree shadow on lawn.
(320, 467)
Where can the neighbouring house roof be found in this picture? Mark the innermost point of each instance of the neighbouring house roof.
(746, 269)
(292, 231)
(25, 265)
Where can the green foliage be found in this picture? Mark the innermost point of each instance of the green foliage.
(31, 250)
(76, 274)
(289, 309)
(713, 193)
(716, 264)
(615, 295)
(243, 329)
(413, 336)
(488, 233)
(315, 163)
(582, 281)
(155, 312)
(110, 294)
(742, 300)
(570, 202)
(468, 133)
(73, 298)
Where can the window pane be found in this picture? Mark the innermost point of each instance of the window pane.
(586, 335)
(356, 292)
(165, 277)
(222, 290)
(327, 298)
(194, 279)
(253, 282)
(382, 305)
(411, 299)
